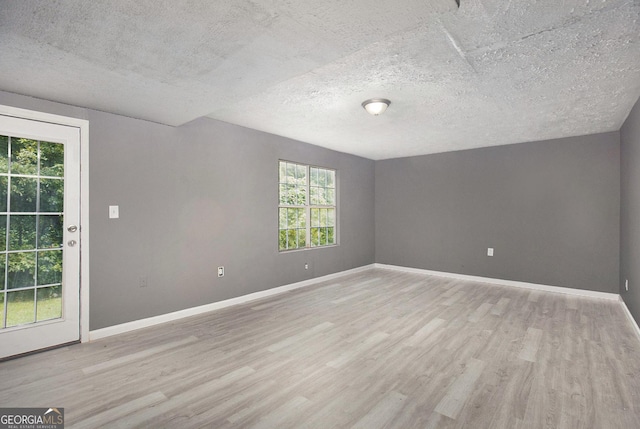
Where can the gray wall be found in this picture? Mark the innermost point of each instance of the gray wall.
(196, 197)
(630, 211)
(550, 209)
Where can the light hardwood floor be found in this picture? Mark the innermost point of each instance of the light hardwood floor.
(379, 349)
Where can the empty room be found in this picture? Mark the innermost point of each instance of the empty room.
(258, 214)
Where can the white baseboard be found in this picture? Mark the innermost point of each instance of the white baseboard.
(630, 316)
(524, 285)
(163, 318)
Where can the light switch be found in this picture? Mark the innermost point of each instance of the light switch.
(114, 212)
(489, 251)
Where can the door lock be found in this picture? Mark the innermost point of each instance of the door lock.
(72, 228)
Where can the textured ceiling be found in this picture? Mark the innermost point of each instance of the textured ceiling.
(491, 72)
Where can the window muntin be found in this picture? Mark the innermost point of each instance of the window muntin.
(307, 206)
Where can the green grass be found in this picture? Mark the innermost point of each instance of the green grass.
(21, 312)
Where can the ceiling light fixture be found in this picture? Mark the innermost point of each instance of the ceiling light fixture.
(376, 106)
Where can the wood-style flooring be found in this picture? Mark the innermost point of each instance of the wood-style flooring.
(377, 349)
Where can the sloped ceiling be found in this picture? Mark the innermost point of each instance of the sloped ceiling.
(488, 73)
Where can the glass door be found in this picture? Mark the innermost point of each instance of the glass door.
(39, 235)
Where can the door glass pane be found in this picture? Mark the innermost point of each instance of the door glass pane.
(51, 195)
(24, 156)
(49, 231)
(2, 310)
(20, 307)
(51, 159)
(2, 269)
(49, 267)
(34, 188)
(49, 303)
(4, 154)
(4, 184)
(24, 191)
(22, 232)
(22, 270)
(3, 238)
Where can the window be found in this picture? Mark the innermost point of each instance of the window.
(307, 207)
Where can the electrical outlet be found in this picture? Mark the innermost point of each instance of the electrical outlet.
(143, 281)
(220, 271)
(626, 285)
(489, 251)
(306, 266)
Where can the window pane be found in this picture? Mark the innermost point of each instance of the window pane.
(301, 174)
(314, 176)
(22, 232)
(24, 156)
(323, 217)
(292, 218)
(51, 159)
(23, 194)
(291, 173)
(302, 218)
(330, 236)
(330, 197)
(302, 195)
(323, 236)
(4, 154)
(282, 218)
(331, 217)
(322, 200)
(282, 239)
(1, 310)
(22, 270)
(291, 195)
(292, 237)
(51, 195)
(331, 179)
(20, 307)
(315, 217)
(49, 303)
(314, 237)
(282, 172)
(302, 240)
(282, 194)
(50, 267)
(322, 181)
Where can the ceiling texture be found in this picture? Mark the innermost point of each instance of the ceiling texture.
(488, 73)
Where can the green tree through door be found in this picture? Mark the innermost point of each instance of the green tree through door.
(31, 230)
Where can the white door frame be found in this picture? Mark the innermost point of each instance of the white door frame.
(83, 126)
